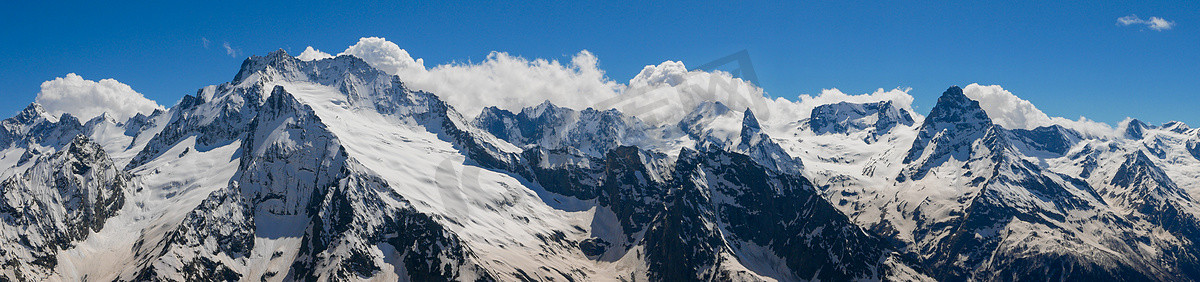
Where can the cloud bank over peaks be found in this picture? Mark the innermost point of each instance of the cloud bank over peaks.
(659, 94)
(1012, 112)
(512, 82)
(666, 92)
(899, 97)
(86, 99)
(1006, 109)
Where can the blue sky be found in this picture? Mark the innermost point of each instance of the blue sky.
(1070, 60)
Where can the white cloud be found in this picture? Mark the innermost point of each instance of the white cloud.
(1129, 20)
(229, 49)
(205, 42)
(661, 93)
(311, 54)
(1012, 112)
(385, 55)
(86, 99)
(1006, 109)
(899, 97)
(512, 82)
(1087, 127)
(1160, 24)
(668, 91)
(1155, 23)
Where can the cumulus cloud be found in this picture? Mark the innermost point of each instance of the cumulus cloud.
(1006, 109)
(312, 54)
(1160, 24)
(1012, 112)
(86, 99)
(659, 94)
(385, 55)
(1155, 23)
(512, 82)
(1087, 127)
(668, 91)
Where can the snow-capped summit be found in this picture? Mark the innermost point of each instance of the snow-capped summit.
(713, 123)
(1135, 129)
(948, 132)
(844, 117)
(762, 149)
(1176, 126)
(590, 132)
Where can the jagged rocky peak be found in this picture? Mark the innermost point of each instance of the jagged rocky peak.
(32, 113)
(531, 125)
(948, 132)
(952, 119)
(955, 107)
(763, 150)
(27, 118)
(500, 123)
(104, 117)
(1136, 129)
(1141, 185)
(750, 123)
(547, 117)
(69, 120)
(590, 132)
(334, 71)
(35, 125)
(17, 126)
(846, 117)
(278, 59)
(62, 199)
(1139, 172)
(141, 122)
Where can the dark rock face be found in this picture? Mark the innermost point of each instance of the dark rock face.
(629, 190)
(781, 212)
(1136, 129)
(56, 203)
(1193, 147)
(563, 172)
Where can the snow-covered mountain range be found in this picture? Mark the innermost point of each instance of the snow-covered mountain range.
(331, 169)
